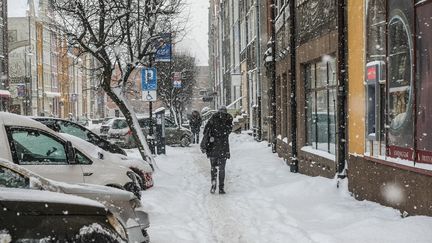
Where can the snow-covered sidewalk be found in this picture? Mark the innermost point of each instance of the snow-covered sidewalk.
(264, 203)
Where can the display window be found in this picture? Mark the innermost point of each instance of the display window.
(424, 82)
(320, 80)
(400, 87)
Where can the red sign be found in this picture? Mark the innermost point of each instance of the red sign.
(402, 153)
(424, 156)
(372, 73)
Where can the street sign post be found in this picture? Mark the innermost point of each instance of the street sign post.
(149, 84)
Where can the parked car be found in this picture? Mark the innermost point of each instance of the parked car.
(142, 168)
(124, 205)
(83, 121)
(139, 166)
(41, 216)
(119, 133)
(36, 147)
(75, 129)
(106, 125)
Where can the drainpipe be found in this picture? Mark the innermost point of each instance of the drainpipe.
(342, 91)
(293, 87)
(258, 67)
(273, 76)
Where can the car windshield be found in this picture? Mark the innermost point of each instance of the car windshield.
(119, 124)
(73, 129)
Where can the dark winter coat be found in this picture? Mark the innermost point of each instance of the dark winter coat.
(216, 132)
(195, 122)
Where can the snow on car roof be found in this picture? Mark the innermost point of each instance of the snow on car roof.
(18, 120)
(82, 145)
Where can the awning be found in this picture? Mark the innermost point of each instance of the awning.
(52, 94)
(4, 93)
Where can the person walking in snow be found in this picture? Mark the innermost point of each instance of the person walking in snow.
(215, 144)
(195, 124)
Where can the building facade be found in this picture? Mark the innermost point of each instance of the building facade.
(349, 81)
(236, 57)
(48, 77)
(4, 75)
(390, 149)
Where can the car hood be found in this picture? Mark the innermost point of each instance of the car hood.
(130, 162)
(94, 151)
(95, 191)
(25, 200)
(121, 131)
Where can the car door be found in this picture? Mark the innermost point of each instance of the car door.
(87, 167)
(43, 153)
(171, 131)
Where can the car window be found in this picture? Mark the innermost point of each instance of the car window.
(73, 129)
(36, 147)
(169, 123)
(119, 124)
(12, 179)
(82, 159)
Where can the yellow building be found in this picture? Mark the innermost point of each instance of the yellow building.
(390, 153)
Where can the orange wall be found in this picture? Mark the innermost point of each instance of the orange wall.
(356, 62)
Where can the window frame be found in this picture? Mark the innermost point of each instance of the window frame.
(11, 129)
(311, 90)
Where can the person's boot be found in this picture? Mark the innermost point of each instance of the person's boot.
(213, 186)
(221, 190)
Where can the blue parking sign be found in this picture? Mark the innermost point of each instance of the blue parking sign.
(148, 79)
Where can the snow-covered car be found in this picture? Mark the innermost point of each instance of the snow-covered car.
(119, 133)
(36, 147)
(41, 216)
(106, 125)
(72, 128)
(98, 155)
(139, 166)
(124, 205)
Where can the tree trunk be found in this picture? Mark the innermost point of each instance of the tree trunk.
(131, 120)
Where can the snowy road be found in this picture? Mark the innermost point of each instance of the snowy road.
(264, 203)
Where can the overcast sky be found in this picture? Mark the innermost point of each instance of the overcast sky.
(196, 40)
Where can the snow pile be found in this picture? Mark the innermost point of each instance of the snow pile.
(266, 203)
(5, 237)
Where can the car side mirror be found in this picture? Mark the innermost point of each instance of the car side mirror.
(100, 155)
(70, 152)
(34, 183)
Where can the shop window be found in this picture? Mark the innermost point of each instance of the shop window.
(320, 80)
(424, 84)
(400, 88)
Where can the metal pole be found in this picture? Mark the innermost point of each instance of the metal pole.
(258, 67)
(328, 108)
(273, 76)
(342, 88)
(293, 87)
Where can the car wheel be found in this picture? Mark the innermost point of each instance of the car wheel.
(140, 177)
(130, 186)
(185, 141)
(116, 186)
(97, 233)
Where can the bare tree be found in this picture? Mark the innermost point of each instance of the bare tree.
(176, 98)
(120, 36)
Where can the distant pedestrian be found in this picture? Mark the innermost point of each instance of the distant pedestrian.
(195, 124)
(215, 144)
